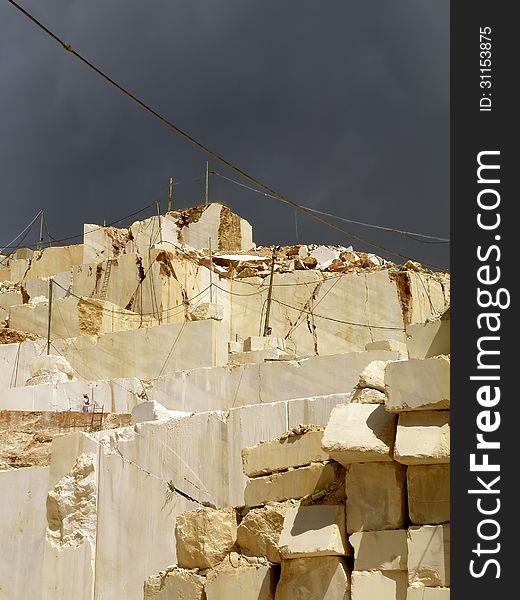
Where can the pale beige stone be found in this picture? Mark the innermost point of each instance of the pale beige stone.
(279, 455)
(259, 532)
(205, 536)
(380, 550)
(428, 593)
(399, 347)
(8, 299)
(423, 437)
(314, 531)
(374, 585)
(367, 396)
(429, 555)
(320, 577)
(242, 581)
(418, 384)
(429, 339)
(376, 496)
(373, 375)
(428, 494)
(360, 433)
(173, 584)
(260, 356)
(207, 310)
(257, 343)
(295, 483)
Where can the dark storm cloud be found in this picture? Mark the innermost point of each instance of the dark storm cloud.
(341, 105)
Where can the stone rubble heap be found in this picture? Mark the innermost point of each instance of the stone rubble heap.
(356, 510)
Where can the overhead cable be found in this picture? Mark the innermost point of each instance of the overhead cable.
(200, 145)
(319, 212)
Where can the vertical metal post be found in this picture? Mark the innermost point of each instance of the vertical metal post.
(206, 195)
(210, 272)
(39, 245)
(267, 329)
(159, 219)
(49, 317)
(170, 194)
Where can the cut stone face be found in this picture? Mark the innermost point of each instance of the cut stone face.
(367, 585)
(428, 593)
(429, 339)
(428, 494)
(376, 496)
(295, 483)
(380, 550)
(400, 347)
(241, 580)
(312, 578)
(257, 343)
(429, 555)
(314, 531)
(205, 536)
(360, 433)
(279, 455)
(418, 384)
(423, 438)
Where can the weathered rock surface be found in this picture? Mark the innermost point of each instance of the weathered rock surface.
(72, 505)
(373, 375)
(367, 396)
(259, 532)
(207, 310)
(175, 583)
(204, 537)
(50, 369)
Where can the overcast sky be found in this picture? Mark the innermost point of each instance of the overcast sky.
(341, 105)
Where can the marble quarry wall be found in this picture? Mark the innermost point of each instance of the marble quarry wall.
(156, 444)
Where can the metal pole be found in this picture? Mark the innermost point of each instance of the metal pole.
(206, 195)
(39, 246)
(49, 317)
(210, 273)
(170, 194)
(159, 217)
(267, 329)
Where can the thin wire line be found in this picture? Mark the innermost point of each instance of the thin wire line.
(338, 320)
(198, 144)
(319, 212)
(25, 231)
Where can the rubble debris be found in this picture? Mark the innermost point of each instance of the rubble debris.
(13, 336)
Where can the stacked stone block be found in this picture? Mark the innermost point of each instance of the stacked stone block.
(357, 511)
